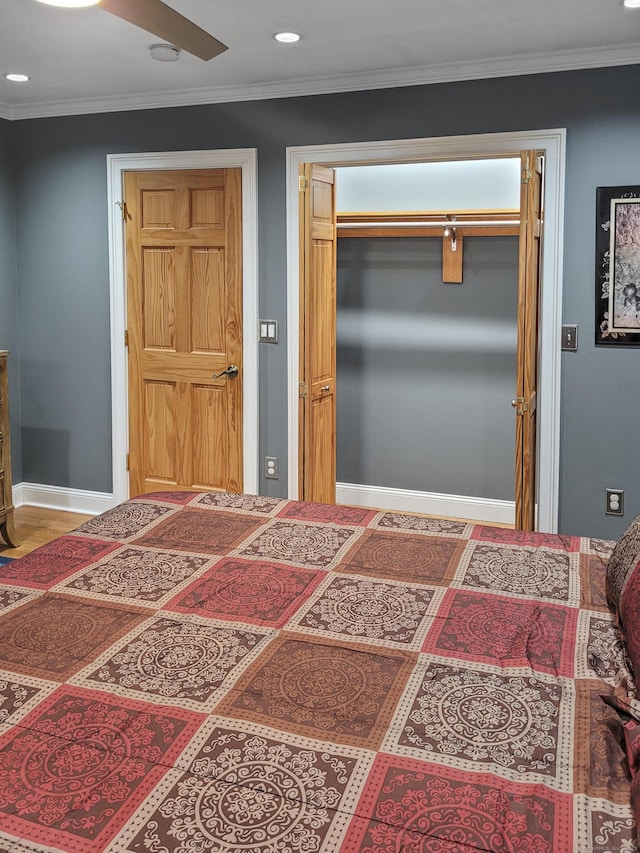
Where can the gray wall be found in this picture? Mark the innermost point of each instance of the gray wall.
(9, 291)
(426, 371)
(63, 264)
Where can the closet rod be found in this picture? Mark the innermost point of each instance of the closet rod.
(445, 223)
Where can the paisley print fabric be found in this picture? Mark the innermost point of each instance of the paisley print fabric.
(622, 561)
(222, 673)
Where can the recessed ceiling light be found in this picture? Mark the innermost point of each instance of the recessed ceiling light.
(72, 4)
(17, 78)
(287, 38)
(632, 4)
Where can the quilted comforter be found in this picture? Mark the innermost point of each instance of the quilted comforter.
(214, 672)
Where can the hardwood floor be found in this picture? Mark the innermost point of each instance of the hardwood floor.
(35, 526)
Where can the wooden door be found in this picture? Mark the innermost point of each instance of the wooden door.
(527, 357)
(317, 412)
(184, 324)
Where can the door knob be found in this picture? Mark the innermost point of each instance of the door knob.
(231, 371)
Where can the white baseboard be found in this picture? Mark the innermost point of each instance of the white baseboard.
(377, 497)
(427, 503)
(57, 497)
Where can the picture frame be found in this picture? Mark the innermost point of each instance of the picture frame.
(618, 266)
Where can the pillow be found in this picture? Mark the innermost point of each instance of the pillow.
(622, 561)
(629, 617)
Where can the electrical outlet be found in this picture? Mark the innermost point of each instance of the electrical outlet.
(271, 467)
(615, 502)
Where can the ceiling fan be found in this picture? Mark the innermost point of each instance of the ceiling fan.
(156, 17)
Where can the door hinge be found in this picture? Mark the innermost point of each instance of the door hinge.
(127, 461)
(527, 174)
(126, 337)
(303, 183)
(537, 229)
(303, 389)
(123, 210)
(520, 405)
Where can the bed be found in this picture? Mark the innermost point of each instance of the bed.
(194, 672)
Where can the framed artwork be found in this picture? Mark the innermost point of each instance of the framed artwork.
(618, 266)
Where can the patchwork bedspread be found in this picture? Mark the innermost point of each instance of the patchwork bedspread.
(215, 672)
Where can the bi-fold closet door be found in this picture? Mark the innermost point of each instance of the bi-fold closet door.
(318, 334)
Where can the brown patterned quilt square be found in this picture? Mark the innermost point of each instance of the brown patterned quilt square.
(535, 573)
(504, 722)
(315, 546)
(176, 660)
(126, 520)
(593, 594)
(601, 767)
(136, 573)
(14, 694)
(378, 611)
(248, 791)
(322, 690)
(201, 531)
(413, 558)
(52, 636)
(422, 524)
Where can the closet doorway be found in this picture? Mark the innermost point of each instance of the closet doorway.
(314, 373)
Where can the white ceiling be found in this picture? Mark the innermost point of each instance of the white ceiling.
(86, 60)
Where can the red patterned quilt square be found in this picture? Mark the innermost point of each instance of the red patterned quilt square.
(493, 629)
(255, 592)
(55, 561)
(422, 808)
(171, 497)
(329, 513)
(201, 531)
(509, 536)
(79, 765)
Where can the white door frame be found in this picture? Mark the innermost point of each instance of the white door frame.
(475, 146)
(117, 164)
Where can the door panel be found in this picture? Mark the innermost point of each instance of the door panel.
(184, 307)
(318, 319)
(527, 358)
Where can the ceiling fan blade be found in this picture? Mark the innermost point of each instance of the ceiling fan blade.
(161, 20)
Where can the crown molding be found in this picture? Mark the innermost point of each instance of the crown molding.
(510, 66)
